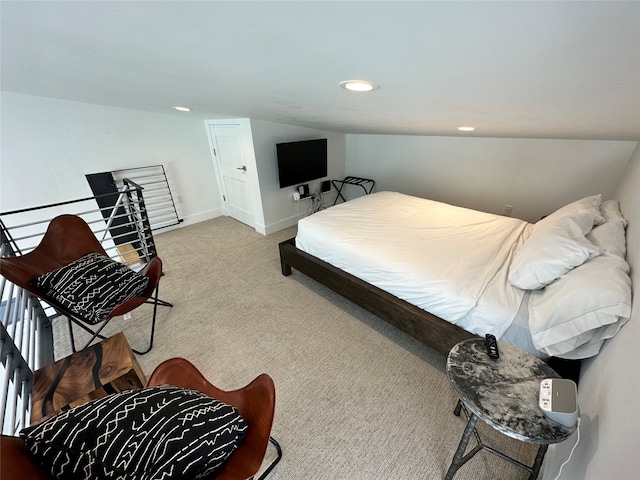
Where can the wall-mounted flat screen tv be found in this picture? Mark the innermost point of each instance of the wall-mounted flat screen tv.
(301, 162)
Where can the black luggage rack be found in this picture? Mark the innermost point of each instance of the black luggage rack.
(366, 184)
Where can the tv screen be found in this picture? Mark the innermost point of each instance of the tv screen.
(300, 162)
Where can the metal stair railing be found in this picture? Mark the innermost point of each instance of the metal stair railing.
(161, 207)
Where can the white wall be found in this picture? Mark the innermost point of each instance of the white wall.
(534, 176)
(280, 211)
(609, 390)
(48, 145)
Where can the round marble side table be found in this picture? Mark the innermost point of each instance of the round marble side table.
(503, 393)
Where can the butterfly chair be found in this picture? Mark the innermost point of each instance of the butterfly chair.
(255, 402)
(70, 271)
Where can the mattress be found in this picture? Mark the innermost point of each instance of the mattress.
(450, 261)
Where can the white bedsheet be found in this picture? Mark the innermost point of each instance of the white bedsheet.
(451, 261)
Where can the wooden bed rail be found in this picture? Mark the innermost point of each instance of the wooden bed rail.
(429, 329)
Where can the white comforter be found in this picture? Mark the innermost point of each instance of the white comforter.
(451, 261)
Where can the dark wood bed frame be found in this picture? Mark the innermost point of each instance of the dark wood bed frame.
(426, 327)
(429, 329)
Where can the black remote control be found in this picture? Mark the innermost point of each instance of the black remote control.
(492, 346)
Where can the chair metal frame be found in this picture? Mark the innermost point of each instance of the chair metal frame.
(68, 238)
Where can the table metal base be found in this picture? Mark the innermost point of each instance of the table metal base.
(460, 458)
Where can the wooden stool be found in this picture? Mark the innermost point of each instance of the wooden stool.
(99, 370)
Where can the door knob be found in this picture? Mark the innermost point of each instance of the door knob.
(243, 168)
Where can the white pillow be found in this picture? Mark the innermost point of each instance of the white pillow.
(556, 245)
(545, 258)
(610, 237)
(611, 211)
(592, 346)
(582, 308)
(586, 210)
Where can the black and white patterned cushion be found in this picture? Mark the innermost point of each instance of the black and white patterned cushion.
(153, 433)
(92, 286)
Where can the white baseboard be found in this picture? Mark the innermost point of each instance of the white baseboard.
(219, 212)
(203, 216)
(280, 225)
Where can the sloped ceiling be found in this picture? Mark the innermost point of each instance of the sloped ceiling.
(512, 69)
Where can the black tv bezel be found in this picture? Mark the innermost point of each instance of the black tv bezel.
(320, 171)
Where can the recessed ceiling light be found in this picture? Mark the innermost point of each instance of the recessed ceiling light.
(359, 85)
(466, 128)
(182, 109)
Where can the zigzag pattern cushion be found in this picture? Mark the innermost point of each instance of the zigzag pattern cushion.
(92, 286)
(153, 433)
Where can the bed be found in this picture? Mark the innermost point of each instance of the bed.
(557, 288)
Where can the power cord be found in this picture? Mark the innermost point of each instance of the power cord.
(571, 453)
(317, 203)
(298, 208)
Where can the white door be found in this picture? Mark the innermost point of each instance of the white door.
(231, 165)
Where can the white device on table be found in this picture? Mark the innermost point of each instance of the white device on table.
(559, 400)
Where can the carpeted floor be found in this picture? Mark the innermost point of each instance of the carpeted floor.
(356, 398)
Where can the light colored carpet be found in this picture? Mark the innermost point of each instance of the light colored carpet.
(356, 398)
